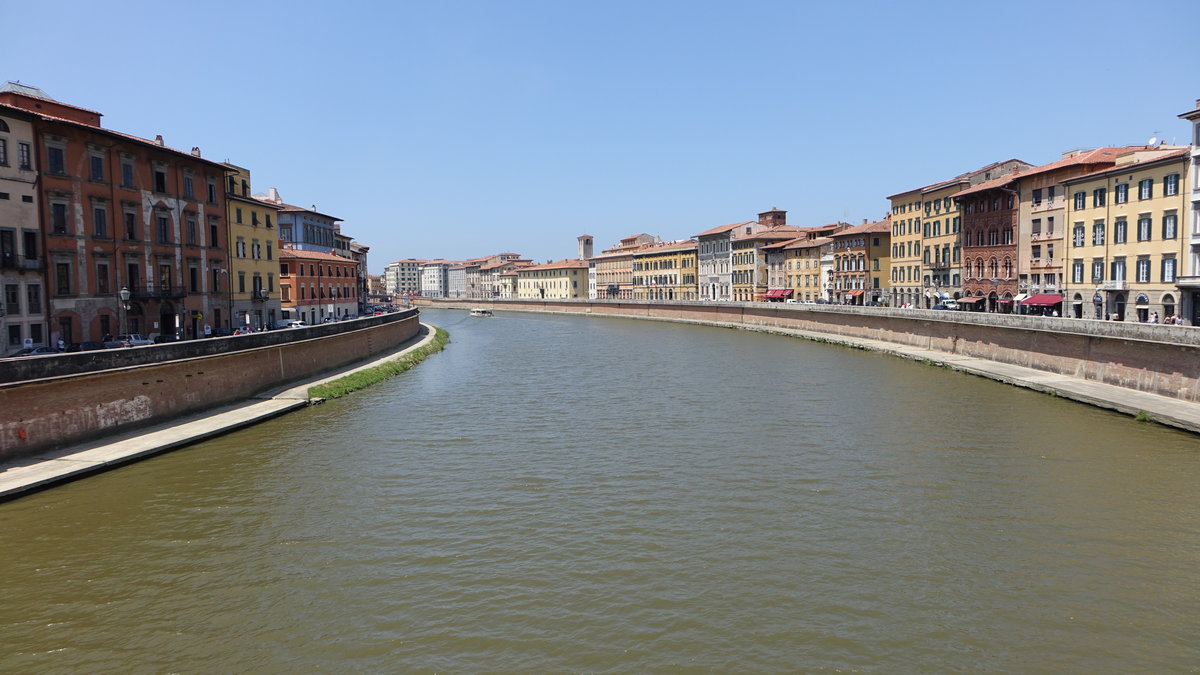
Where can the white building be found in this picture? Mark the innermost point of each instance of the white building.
(1189, 285)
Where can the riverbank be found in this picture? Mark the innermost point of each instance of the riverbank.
(1143, 406)
(29, 474)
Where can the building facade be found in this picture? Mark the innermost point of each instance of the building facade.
(665, 271)
(317, 287)
(253, 265)
(1127, 243)
(561, 280)
(22, 260)
(862, 264)
(1189, 285)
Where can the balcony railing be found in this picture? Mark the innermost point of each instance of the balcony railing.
(12, 261)
(148, 292)
(259, 295)
(1115, 285)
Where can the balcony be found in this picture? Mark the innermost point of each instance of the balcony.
(1115, 285)
(1044, 263)
(12, 261)
(938, 265)
(150, 292)
(1188, 282)
(1046, 205)
(260, 295)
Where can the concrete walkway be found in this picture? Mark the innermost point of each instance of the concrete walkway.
(38, 472)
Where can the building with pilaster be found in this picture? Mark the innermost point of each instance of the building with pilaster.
(22, 260)
(253, 266)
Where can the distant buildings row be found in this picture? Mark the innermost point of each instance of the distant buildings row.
(103, 233)
(1112, 232)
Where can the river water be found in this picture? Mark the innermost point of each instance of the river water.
(574, 494)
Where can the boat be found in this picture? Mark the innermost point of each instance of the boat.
(481, 312)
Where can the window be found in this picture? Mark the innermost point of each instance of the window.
(1120, 232)
(1098, 197)
(102, 279)
(1098, 234)
(126, 174)
(191, 231)
(237, 215)
(62, 278)
(164, 278)
(1143, 270)
(268, 250)
(96, 167)
(212, 191)
(160, 180)
(1121, 193)
(268, 217)
(100, 221)
(1037, 196)
(1036, 226)
(3, 152)
(1146, 189)
(56, 160)
(189, 188)
(12, 299)
(58, 218)
(213, 232)
(33, 299)
(241, 282)
(24, 156)
(1143, 229)
(1098, 270)
(193, 279)
(163, 229)
(1080, 200)
(1077, 271)
(1168, 270)
(1170, 226)
(131, 232)
(1118, 270)
(1171, 185)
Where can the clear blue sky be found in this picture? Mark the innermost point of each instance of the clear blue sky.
(458, 128)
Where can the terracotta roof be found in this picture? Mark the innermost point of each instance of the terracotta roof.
(990, 185)
(778, 233)
(313, 255)
(110, 132)
(726, 228)
(570, 263)
(665, 247)
(957, 179)
(1121, 168)
(868, 228)
(1096, 156)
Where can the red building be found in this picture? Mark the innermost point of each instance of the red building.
(989, 244)
(118, 211)
(316, 286)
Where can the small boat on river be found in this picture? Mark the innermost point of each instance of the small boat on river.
(481, 312)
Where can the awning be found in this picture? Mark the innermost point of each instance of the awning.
(779, 293)
(854, 294)
(1043, 300)
(1005, 301)
(1021, 297)
(970, 301)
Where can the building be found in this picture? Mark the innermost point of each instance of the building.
(121, 212)
(926, 238)
(862, 264)
(253, 235)
(403, 277)
(304, 229)
(715, 261)
(612, 270)
(1042, 221)
(750, 271)
(1126, 245)
(665, 271)
(22, 259)
(989, 244)
(561, 280)
(1189, 285)
(316, 286)
(435, 278)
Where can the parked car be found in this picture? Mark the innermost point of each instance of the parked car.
(289, 323)
(165, 337)
(34, 351)
(85, 346)
(133, 340)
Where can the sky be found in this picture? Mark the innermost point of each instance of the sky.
(457, 129)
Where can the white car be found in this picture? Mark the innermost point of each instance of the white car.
(134, 340)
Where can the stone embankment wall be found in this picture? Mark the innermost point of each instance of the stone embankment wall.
(1163, 360)
(49, 408)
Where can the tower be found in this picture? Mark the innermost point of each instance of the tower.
(585, 246)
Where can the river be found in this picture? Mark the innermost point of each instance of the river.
(575, 494)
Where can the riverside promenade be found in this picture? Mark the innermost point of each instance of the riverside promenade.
(25, 475)
(1146, 406)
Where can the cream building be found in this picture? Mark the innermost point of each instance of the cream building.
(1126, 244)
(562, 280)
(1189, 285)
(22, 260)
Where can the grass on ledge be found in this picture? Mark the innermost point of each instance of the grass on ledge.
(369, 376)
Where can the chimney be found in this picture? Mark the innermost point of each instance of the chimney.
(196, 151)
(158, 140)
(273, 196)
(864, 221)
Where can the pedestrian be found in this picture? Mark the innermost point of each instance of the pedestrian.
(1153, 317)
(62, 346)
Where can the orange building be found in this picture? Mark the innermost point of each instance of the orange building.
(316, 286)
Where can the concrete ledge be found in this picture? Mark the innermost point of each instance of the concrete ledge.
(38, 472)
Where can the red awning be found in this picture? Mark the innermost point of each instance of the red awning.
(970, 301)
(854, 294)
(780, 293)
(1043, 300)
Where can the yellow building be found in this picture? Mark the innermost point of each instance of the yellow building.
(665, 271)
(562, 280)
(749, 261)
(802, 260)
(906, 248)
(253, 267)
(1126, 243)
(941, 249)
(614, 267)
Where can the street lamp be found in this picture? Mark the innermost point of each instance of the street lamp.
(124, 294)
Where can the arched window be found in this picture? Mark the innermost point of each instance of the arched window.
(4, 126)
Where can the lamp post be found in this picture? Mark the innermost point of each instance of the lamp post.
(124, 295)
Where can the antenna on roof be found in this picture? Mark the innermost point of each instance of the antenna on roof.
(1154, 141)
